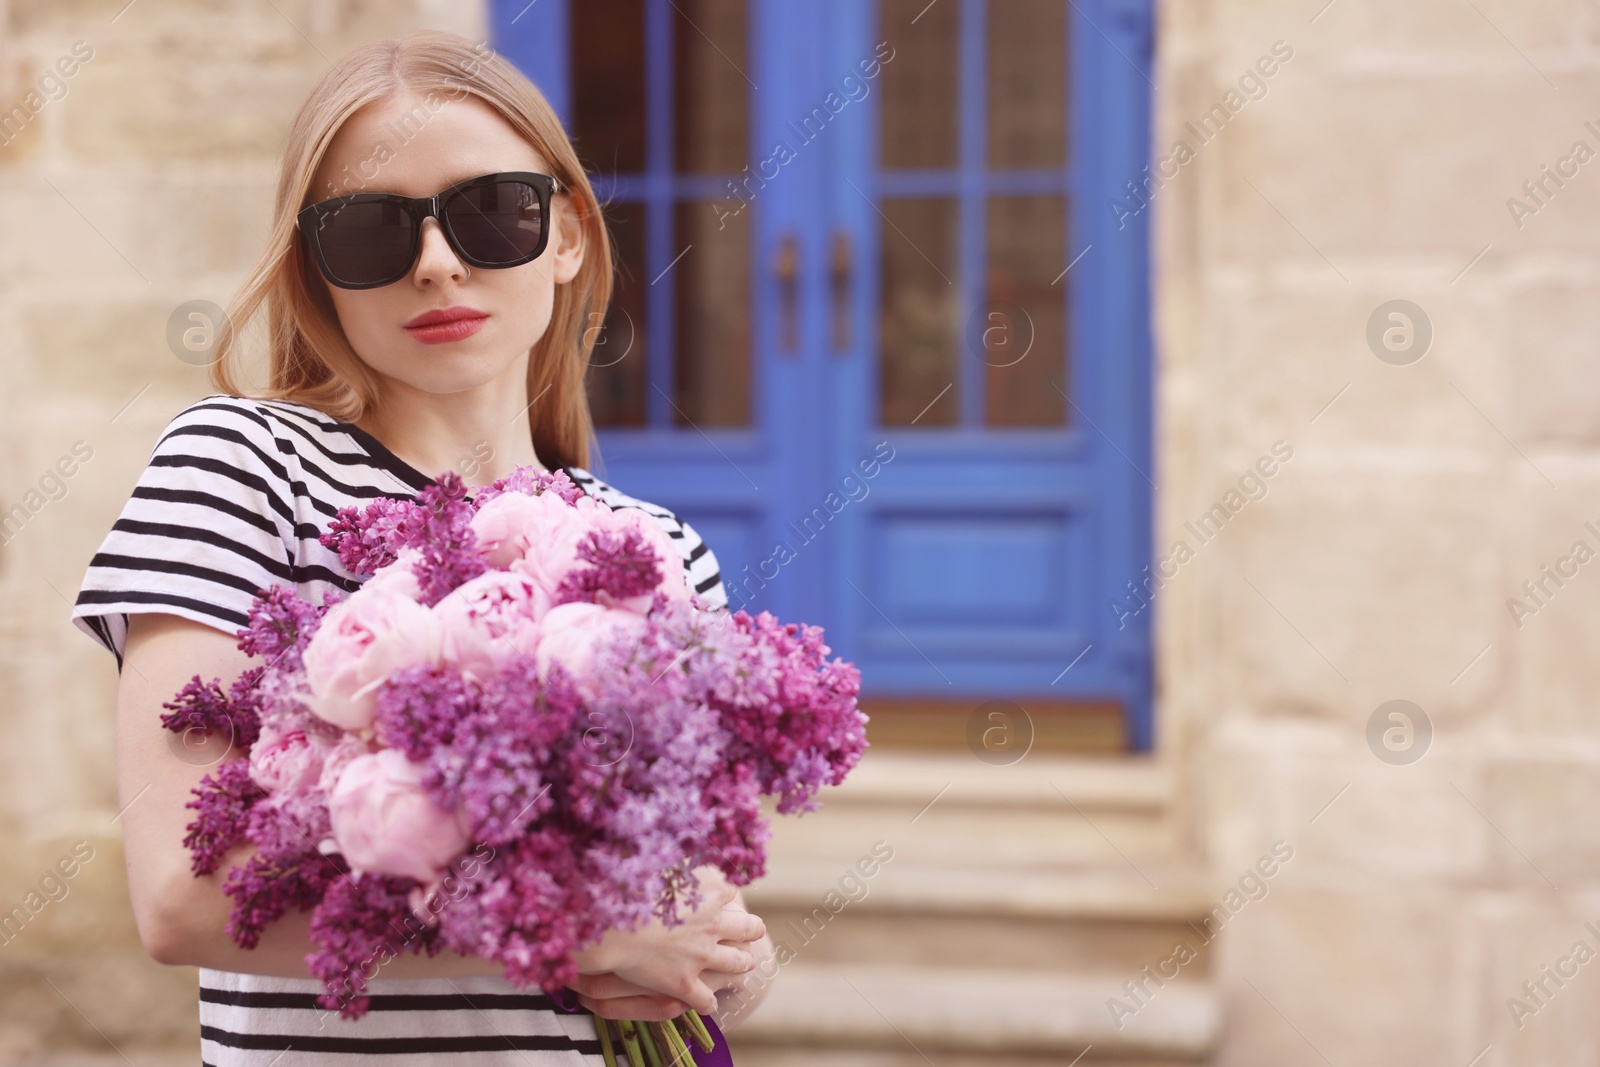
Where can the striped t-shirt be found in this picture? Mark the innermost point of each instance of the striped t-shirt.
(234, 499)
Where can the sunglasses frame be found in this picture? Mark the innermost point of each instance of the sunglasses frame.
(311, 218)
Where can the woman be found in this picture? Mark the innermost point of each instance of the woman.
(396, 347)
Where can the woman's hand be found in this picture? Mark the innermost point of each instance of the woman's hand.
(658, 972)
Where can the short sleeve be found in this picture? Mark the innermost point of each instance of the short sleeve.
(207, 527)
(701, 569)
(699, 562)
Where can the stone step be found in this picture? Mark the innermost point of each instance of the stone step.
(1060, 922)
(940, 909)
(1042, 812)
(884, 1013)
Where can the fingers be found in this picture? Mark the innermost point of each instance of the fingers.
(730, 959)
(701, 997)
(652, 1009)
(735, 925)
(608, 985)
(718, 981)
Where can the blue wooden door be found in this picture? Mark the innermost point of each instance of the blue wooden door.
(882, 336)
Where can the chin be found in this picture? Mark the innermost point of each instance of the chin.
(441, 372)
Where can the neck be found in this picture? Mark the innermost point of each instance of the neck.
(481, 434)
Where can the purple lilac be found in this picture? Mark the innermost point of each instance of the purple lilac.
(270, 883)
(532, 481)
(369, 538)
(235, 714)
(360, 923)
(281, 625)
(222, 804)
(622, 564)
(449, 548)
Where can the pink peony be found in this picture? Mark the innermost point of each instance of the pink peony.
(484, 621)
(362, 640)
(338, 756)
(511, 526)
(400, 575)
(573, 633)
(383, 821)
(505, 524)
(284, 760)
(544, 536)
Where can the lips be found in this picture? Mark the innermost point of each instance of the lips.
(445, 325)
(440, 316)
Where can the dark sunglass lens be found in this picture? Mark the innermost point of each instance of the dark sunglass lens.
(366, 242)
(501, 222)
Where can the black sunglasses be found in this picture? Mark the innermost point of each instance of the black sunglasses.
(366, 240)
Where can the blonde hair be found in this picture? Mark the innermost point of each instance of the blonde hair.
(310, 360)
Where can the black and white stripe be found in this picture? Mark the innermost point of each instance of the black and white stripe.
(234, 498)
(253, 1021)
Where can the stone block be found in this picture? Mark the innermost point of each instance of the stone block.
(72, 16)
(1541, 839)
(1348, 587)
(1352, 167)
(1435, 29)
(1555, 391)
(1360, 817)
(1550, 605)
(1523, 1006)
(139, 106)
(1345, 976)
(1298, 365)
(120, 347)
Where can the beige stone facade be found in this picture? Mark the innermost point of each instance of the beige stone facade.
(1385, 160)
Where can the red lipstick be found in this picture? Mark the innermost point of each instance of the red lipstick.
(446, 324)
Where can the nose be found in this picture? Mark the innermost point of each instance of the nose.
(436, 260)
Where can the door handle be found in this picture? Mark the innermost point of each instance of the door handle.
(841, 268)
(786, 272)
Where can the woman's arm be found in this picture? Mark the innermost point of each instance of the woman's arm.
(182, 919)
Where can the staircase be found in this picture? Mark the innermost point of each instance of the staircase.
(1015, 902)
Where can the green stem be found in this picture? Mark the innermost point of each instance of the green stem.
(680, 1050)
(702, 1036)
(647, 1041)
(602, 1030)
(630, 1042)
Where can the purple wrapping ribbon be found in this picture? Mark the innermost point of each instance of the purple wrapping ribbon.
(566, 1002)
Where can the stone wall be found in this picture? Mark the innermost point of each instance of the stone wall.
(1375, 164)
(137, 177)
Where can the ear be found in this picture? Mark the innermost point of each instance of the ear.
(567, 241)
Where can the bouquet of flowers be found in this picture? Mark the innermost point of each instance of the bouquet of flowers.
(521, 731)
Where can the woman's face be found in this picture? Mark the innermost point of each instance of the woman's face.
(398, 146)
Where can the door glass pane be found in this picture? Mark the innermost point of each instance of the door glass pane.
(710, 63)
(918, 121)
(1025, 349)
(1027, 62)
(617, 381)
(608, 113)
(711, 305)
(918, 316)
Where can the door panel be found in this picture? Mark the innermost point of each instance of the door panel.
(1011, 389)
(875, 333)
